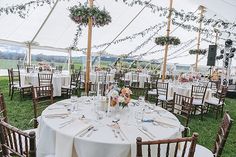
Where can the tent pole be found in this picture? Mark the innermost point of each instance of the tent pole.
(167, 45)
(202, 9)
(89, 51)
(29, 55)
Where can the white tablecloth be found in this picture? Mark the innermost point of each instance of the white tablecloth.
(182, 89)
(142, 77)
(58, 80)
(66, 141)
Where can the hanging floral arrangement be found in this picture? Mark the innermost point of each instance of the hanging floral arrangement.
(167, 40)
(81, 13)
(200, 51)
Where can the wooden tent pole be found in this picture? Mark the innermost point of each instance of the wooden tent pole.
(202, 9)
(90, 24)
(167, 45)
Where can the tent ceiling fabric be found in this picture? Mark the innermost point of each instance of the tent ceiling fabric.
(59, 31)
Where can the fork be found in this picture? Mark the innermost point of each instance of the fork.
(118, 132)
(114, 131)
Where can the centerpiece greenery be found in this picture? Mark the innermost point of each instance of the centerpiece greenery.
(196, 51)
(163, 40)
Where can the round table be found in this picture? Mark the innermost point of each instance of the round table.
(58, 80)
(113, 133)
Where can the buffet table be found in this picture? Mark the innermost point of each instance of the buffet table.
(79, 127)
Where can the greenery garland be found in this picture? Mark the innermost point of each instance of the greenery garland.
(163, 40)
(80, 14)
(200, 51)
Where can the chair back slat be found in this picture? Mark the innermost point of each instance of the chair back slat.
(198, 92)
(166, 144)
(41, 95)
(16, 145)
(182, 106)
(162, 89)
(221, 94)
(222, 135)
(136, 92)
(45, 79)
(167, 149)
(176, 149)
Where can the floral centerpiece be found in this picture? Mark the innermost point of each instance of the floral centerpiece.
(119, 96)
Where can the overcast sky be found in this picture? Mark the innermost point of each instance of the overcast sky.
(59, 30)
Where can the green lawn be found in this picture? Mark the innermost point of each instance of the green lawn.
(21, 112)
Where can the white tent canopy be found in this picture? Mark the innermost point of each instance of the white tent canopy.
(59, 31)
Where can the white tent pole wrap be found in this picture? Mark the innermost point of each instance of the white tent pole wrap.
(202, 8)
(167, 45)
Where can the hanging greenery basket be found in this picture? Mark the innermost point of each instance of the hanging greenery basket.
(167, 40)
(200, 51)
(81, 14)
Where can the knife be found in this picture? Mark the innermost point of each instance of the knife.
(86, 131)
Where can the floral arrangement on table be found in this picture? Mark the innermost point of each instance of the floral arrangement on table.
(121, 97)
(163, 40)
(81, 14)
(196, 51)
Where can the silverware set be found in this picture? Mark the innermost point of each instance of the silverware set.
(90, 128)
(118, 133)
(66, 123)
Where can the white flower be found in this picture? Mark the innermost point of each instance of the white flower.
(121, 99)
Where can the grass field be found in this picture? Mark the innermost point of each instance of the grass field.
(21, 112)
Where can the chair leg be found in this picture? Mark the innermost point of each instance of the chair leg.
(201, 112)
(217, 110)
(9, 90)
(195, 108)
(222, 110)
(12, 92)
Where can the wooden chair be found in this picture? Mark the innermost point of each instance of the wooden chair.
(198, 93)
(17, 85)
(15, 142)
(162, 93)
(217, 103)
(3, 110)
(214, 86)
(72, 87)
(166, 144)
(135, 80)
(137, 92)
(45, 79)
(153, 80)
(182, 107)
(221, 137)
(41, 97)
